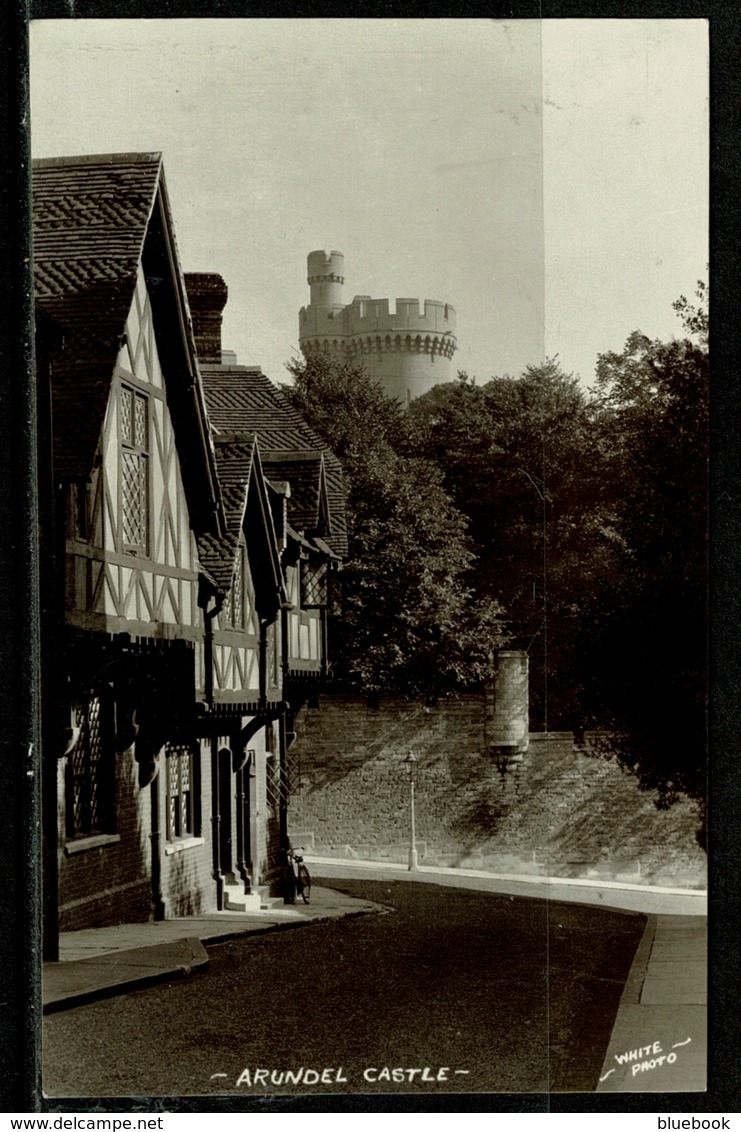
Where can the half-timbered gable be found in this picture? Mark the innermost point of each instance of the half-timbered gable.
(246, 567)
(132, 558)
(304, 474)
(242, 400)
(307, 562)
(126, 396)
(131, 485)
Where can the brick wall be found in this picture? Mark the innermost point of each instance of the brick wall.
(207, 295)
(112, 883)
(109, 884)
(188, 886)
(559, 811)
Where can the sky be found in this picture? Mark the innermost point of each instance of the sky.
(546, 178)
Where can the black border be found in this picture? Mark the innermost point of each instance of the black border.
(20, 1015)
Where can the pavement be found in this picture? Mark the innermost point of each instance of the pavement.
(659, 1039)
(102, 962)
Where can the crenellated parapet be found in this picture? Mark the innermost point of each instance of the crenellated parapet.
(364, 315)
(406, 347)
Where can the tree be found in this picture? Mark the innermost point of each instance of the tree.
(647, 652)
(411, 621)
(695, 318)
(520, 459)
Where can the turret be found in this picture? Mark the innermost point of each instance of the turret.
(407, 350)
(325, 276)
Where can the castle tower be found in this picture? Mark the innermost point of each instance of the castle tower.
(325, 276)
(407, 350)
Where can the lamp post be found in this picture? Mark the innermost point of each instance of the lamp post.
(411, 764)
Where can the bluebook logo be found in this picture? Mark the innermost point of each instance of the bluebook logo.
(693, 1122)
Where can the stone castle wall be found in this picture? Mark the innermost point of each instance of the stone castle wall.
(367, 316)
(560, 811)
(407, 349)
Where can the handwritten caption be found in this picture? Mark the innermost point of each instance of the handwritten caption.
(646, 1058)
(279, 1078)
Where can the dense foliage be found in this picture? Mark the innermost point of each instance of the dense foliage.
(646, 656)
(410, 620)
(519, 459)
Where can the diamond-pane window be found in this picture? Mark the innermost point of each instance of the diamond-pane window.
(181, 793)
(134, 500)
(314, 573)
(134, 470)
(238, 591)
(90, 773)
(233, 607)
(140, 422)
(335, 595)
(276, 785)
(126, 395)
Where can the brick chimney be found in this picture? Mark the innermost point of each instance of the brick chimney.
(207, 294)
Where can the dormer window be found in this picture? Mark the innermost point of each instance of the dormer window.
(134, 470)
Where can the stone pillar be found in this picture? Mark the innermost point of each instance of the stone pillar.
(508, 707)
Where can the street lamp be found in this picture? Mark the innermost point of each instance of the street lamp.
(410, 763)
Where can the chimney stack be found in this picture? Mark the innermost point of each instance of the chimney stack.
(207, 294)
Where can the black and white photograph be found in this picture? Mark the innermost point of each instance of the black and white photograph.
(372, 367)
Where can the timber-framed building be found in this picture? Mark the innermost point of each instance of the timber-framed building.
(168, 566)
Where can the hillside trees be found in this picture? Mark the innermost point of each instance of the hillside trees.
(521, 458)
(645, 654)
(411, 621)
(589, 519)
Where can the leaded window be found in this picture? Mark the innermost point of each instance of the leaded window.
(237, 591)
(314, 574)
(91, 772)
(233, 609)
(134, 470)
(182, 817)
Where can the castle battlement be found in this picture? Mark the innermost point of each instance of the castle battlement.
(364, 314)
(406, 346)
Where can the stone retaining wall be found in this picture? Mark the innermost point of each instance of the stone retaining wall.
(560, 811)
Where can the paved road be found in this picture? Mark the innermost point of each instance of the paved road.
(504, 994)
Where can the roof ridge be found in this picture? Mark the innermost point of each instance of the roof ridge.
(98, 159)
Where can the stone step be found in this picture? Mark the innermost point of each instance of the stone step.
(259, 900)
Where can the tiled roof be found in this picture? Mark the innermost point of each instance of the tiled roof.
(336, 498)
(234, 467)
(242, 402)
(241, 399)
(245, 497)
(90, 217)
(305, 478)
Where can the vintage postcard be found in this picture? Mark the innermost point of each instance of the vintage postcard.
(373, 363)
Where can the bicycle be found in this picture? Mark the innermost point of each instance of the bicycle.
(297, 878)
